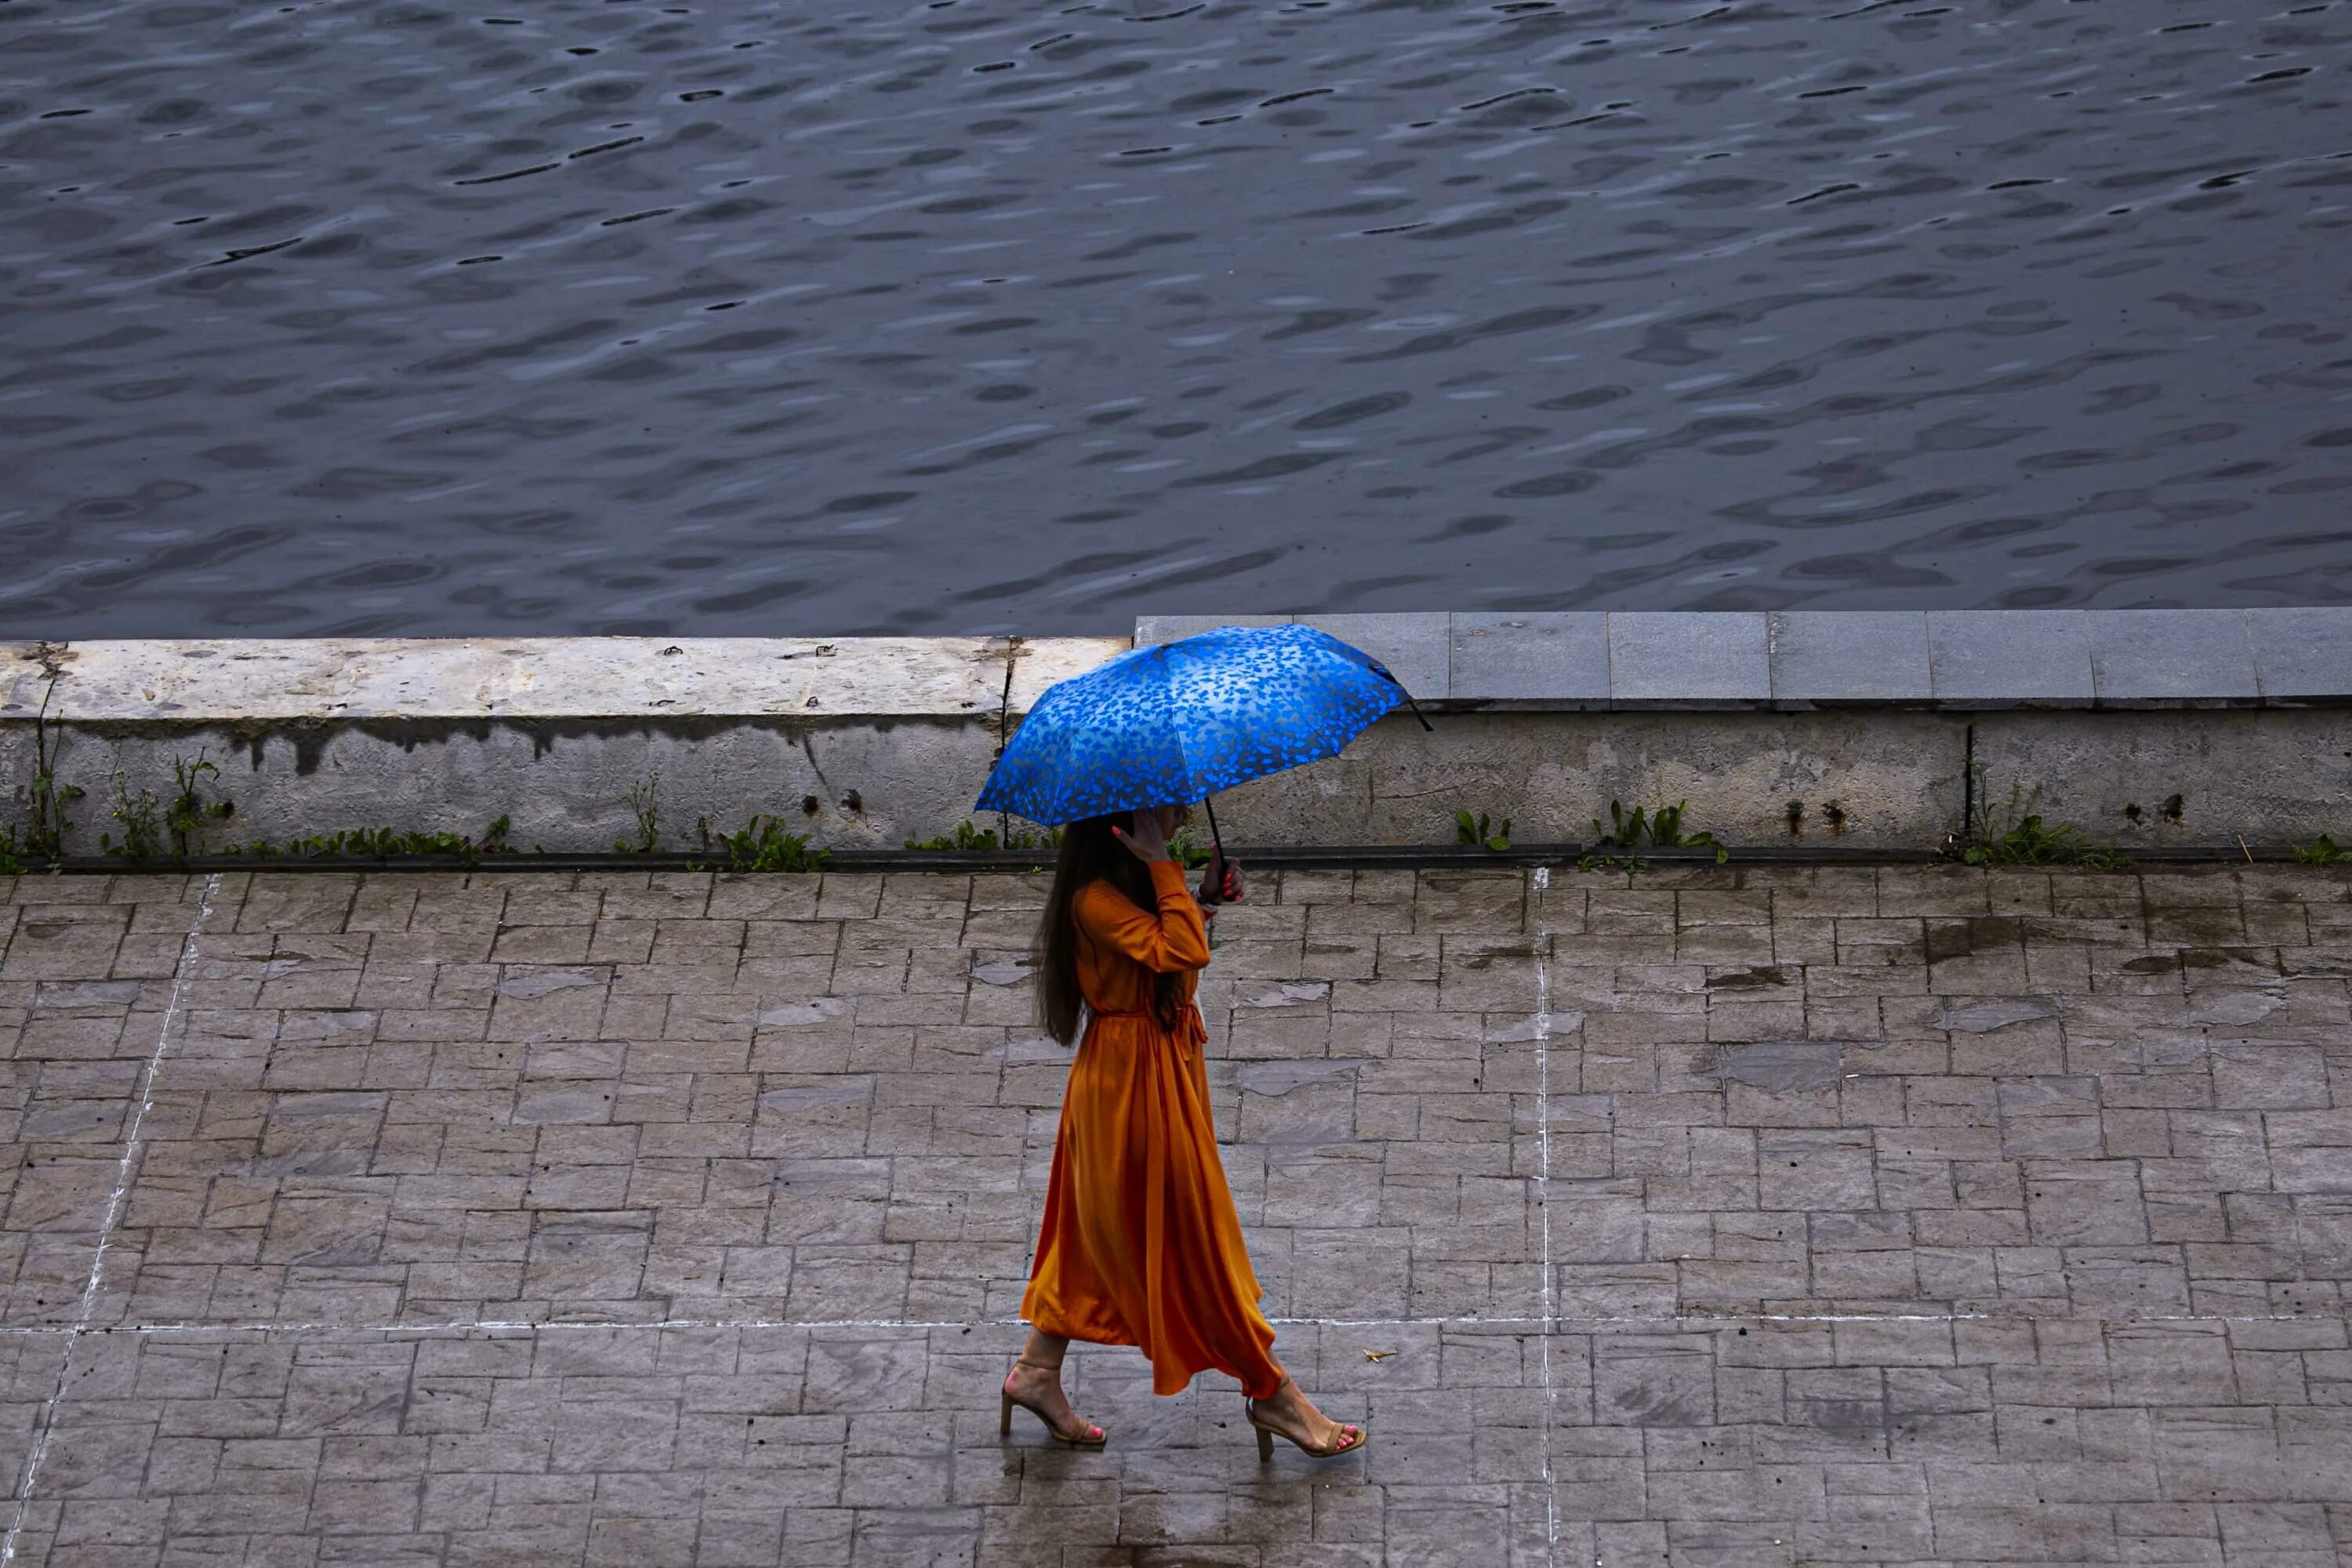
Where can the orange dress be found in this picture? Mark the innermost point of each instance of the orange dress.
(1140, 1245)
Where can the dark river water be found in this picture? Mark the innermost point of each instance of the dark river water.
(741, 317)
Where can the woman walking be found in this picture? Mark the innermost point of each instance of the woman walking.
(1140, 1245)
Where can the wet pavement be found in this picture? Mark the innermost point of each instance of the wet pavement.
(1701, 1219)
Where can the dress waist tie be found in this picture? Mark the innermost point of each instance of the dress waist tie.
(1190, 1035)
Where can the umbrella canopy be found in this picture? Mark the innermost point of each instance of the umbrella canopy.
(1176, 722)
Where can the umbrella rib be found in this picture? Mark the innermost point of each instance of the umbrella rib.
(1176, 729)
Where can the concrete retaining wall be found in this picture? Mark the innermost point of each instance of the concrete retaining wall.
(853, 742)
(1863, 730)
(1878, 779)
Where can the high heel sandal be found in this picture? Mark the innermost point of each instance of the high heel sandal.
(1089, 1435)
(1351, 1439)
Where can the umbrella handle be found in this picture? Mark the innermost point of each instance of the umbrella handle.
(1217, 842)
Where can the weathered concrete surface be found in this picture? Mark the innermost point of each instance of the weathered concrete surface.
(2187, 778)
(1884, 779)
(1961, 660)
(1763, 726)
(1880, 778)
(1712, 1219)
(524, 678)
(860, 741)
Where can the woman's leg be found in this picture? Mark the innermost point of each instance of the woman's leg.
(1291, 1413)
(1035, 1382)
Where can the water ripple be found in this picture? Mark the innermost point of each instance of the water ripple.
(346, 317)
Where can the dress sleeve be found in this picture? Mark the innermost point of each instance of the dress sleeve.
(1172, 940)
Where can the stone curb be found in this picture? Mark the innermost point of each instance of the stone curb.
(1872, 731)
(553, 680)
(1793, 660)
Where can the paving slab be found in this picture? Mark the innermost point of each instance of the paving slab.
(2303, 652)
(1860, 655)
(2011, 658)
(1720, 1215)
(1150, 629)
(1413, 646)
(1559, 659)
(86, 989)
(2201, 656)
(625, 1102)
(1711, 659)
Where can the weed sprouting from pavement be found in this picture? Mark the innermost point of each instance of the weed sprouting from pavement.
(762, 846)
(644, 801)
(1472, 829)
(1626, 832)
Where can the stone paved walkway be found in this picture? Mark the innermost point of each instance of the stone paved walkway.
(1725, 1219)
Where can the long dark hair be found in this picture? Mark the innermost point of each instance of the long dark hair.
(1091, 854)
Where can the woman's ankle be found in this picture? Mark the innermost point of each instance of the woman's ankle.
(1282, 1394)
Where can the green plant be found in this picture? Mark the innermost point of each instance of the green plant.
(185, 816)
(383, 843)
(762, 845)
(1477, 831)
(2321, 851)
(48, 826)
(967, 837)
(2014, 835)
(11, 857)
(138, 813)
(151, 828)
(1660, 829)
(644, 803)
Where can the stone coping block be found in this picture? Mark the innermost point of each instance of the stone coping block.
(1039, 663)
(1575, 659)
(1700, 660)
(1559, 660)
(325, 679)
(1960, 661)
(1861, 655)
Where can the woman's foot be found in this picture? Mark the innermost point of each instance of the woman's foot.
(1289, 1414)
(1037, 1388)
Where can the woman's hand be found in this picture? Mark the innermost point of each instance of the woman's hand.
(1145, 840)
(1222, 884)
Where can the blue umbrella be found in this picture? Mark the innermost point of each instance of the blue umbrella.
(1176, 722)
